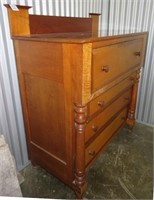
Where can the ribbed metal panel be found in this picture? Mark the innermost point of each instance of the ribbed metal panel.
(126, 16)
(11, 120)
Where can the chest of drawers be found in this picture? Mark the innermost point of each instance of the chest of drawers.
(78, 90)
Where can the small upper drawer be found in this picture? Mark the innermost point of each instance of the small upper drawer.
(99, 103)
(109, 62)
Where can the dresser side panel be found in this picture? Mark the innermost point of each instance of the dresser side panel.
(40, 72)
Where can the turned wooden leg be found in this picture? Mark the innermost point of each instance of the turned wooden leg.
(80, 123)
(131, 112)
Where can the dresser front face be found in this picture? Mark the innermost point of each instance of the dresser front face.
(114, 78)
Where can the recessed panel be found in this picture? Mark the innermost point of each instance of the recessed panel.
(45, 104)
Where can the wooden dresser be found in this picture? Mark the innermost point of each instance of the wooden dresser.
(78, 89)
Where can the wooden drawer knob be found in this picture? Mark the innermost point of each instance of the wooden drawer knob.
(92, 153)
(94, 128)
(137, 53)
(105, 68)
(101, 103)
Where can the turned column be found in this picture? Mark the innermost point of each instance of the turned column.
(80, 123)
(131, 113)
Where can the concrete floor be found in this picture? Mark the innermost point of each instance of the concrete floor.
(123, 171)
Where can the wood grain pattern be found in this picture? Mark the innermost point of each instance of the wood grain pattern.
(86, 73)
(51, 24)
(41, 59)
(45, 101)
(69, 107)
(19, 20)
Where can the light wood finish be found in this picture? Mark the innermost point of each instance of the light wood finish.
(95, 24)
(21, 23)
(19, 20)
(72, 108)
(131, 113)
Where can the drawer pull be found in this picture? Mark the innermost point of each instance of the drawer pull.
(105, 68)
(92, 153)
(137, 53)
(101, 103)
(94, 128)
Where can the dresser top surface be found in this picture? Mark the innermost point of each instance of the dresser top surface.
(76, 37)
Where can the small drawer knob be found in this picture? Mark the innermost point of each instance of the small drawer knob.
(101, 103)
(92, 153)
(137, 53)
(105, 68)
(94, 128)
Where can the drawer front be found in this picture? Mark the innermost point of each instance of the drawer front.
(94, 148)
(109, 62)
(95, 125)
(103, 100)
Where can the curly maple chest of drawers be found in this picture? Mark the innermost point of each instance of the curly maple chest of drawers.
(77, 91)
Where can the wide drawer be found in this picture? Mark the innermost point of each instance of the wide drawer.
(96, 124)
(109, 62)
(104, 99)
(95, 147)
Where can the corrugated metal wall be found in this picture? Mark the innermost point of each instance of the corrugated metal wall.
(126, 16)
(123, 15)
